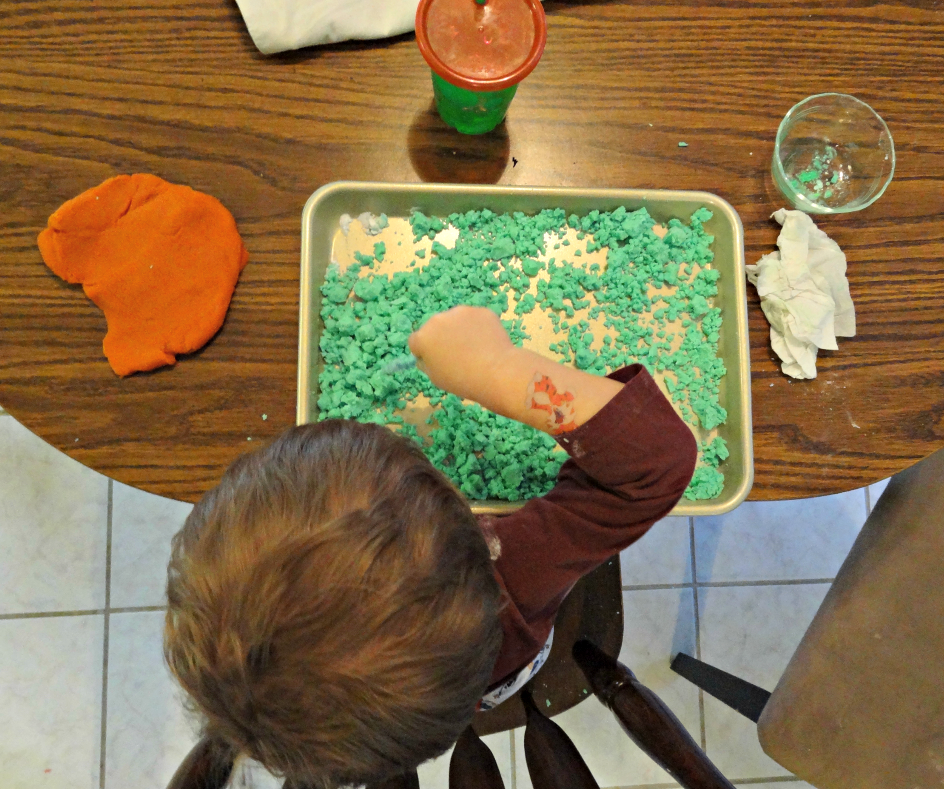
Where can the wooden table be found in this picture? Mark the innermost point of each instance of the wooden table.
(176, 88)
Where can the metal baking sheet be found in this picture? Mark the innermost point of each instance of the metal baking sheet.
(322, 238)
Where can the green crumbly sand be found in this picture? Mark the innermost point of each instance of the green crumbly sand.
(649, 302)
(816, 181)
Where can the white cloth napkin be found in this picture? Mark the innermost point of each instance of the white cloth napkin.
(278, 25)
(804, 293)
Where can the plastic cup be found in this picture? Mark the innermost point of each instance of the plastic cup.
(833, 154)
(478, 54)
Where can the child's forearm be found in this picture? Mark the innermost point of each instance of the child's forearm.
(467, 351)
(535, 390)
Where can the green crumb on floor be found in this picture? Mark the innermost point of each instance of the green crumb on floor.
(682, 144)
(651, 302)
(547, 702)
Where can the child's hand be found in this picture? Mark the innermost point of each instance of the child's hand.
(461, 350)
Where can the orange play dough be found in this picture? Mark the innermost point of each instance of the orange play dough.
(159, 259)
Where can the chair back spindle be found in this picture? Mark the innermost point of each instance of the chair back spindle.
(552, 759)
(473, 765)
(647, 720)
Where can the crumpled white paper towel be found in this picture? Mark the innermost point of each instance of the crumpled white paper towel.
(804, 293)
(278, 25)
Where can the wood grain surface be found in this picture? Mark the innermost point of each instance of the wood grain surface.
(176, 88)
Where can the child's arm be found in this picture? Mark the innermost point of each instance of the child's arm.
(467, 351)
(631, 460)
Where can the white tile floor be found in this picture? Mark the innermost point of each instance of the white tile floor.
(86, 703)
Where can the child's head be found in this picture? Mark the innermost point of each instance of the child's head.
(332, 607)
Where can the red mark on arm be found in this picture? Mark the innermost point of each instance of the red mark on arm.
(560, 411)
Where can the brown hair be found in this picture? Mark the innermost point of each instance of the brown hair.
(333, 611)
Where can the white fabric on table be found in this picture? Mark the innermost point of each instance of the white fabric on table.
(279, 25)
(804, 293)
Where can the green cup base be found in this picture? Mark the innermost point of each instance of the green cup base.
(471, 112)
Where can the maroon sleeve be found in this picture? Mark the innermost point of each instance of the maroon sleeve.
(629, 465)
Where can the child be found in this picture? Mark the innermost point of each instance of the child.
(334, 611)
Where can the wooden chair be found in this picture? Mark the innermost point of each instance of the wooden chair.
(861, 703)
(553, 760)
(647, 720)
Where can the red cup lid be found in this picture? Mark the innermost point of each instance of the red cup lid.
(481, 46)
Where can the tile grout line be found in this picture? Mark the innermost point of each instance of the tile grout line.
(108, 520)
(776, 779)
(645, 786)
(785, 582)
(514, 764)
(650, 587)
(51, 614)
(722, 584)
(84, 612)
(701, 695)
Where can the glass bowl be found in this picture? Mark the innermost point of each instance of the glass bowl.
(833, 154)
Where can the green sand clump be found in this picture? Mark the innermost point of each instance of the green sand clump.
(816, 181)
(650, 303)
